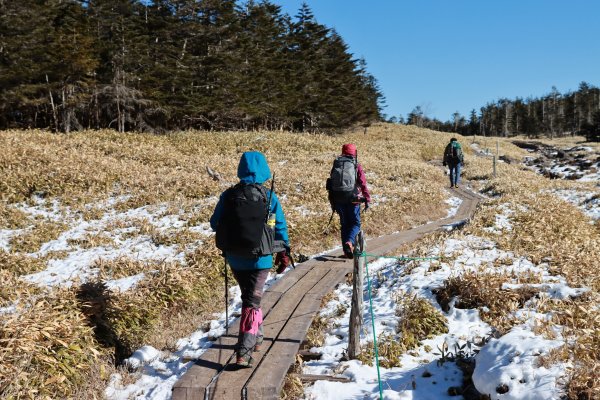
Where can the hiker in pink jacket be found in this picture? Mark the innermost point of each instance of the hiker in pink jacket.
(347, 188)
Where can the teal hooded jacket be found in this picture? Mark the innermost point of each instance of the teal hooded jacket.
(253, 168)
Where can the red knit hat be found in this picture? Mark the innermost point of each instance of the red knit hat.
(349, 149)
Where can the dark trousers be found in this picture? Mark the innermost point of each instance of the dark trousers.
(454, 173)
(252, 283)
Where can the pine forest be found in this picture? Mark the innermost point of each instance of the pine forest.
(552, 115)
(166, 65)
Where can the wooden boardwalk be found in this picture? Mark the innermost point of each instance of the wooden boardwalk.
(289, 306)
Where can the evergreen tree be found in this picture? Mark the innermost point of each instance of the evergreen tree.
(176, 64)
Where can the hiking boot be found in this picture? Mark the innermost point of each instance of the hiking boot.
(259, 342)
(348, 250)
(245, 361)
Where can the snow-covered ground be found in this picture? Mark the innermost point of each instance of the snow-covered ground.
(586, 201)
(508, 364)
(579, 163)
(501, 363)
(454, 203)
(121, 229)
(585, 167)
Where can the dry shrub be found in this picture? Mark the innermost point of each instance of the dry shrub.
(21, 264)
(14, 291)
(34, 238)
(580, 321)
(389, 350)
(11, 217)
(483, 291)
(417, 320)
(123, 267)
(554, 231)
(315, 337)
(181, 237)
(89, 241)
(134, 316)
(292, 385)
(46, 347)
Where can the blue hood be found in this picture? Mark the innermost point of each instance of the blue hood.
(253, 168)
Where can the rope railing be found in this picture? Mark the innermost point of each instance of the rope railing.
(365, 255)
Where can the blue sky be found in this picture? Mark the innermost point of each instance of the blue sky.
(455, 55)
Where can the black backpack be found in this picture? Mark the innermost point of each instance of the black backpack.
(342, 180)
(243, 229)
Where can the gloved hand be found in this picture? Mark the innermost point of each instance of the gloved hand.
(282, 261)
(366, 206)
(444, 163)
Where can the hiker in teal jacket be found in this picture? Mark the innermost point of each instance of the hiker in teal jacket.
(252, 272)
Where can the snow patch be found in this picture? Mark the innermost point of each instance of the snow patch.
(142, 356)
(586, 201)
(507, 368)
(454, 203)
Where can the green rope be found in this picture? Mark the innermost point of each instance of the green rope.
(399, 258)
(373, 323)
(365, 255)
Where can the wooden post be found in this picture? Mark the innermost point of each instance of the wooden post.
(498, 148)
(494, 158)
(357, 306)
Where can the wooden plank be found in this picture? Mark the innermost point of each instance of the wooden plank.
(179, 393)
(232, 379)
(268, 379)
(291, 278)
(335, 276)
(213, 360)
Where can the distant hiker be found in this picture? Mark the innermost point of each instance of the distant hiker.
(347, 187)
(250, 226)
(453, 158)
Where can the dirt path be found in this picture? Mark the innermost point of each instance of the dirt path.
(289, 307)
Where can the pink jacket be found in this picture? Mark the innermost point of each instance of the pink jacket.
(362, 184)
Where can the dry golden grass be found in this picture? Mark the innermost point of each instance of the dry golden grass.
(31, 241)
(47, 348)
(21, 264)
(548, 230)
(417, 320)
(12, 218)
(82, 169)
(89, 241)
(292, 385)
(483, 291)
(88, 166)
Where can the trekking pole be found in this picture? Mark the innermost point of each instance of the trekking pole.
(270, 197)
(329, 223)
(226, 298)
